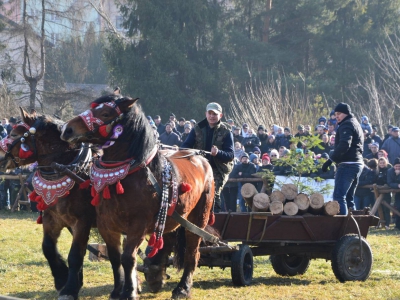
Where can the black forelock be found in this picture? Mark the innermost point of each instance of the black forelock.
(107, 98)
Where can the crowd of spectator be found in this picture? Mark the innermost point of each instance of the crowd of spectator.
(260, 148)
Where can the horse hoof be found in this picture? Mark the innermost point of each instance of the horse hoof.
(180, 293)
(66, 297)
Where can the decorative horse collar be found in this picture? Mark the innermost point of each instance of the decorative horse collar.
(48, 189)
(103, 175)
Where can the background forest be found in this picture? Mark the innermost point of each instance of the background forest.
(265, 61)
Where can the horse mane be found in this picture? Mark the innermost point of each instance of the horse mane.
(137, 129)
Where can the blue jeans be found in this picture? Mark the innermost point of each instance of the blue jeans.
(346, 181)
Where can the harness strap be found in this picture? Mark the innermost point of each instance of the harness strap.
(196, 230)
(154, 182)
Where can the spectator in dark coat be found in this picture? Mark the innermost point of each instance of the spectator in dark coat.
(364, 197)
(159, 125)
(393, 180)
(374, 151)
(250, 141)
(375, 137)
(392, 145)
(285, 140)
(380, 180)
(244, 170)
(263, 137)
(170, 138)
(237, 137)
(181, 126)
(3, 132)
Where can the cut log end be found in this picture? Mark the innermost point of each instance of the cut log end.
(260, 202)
(277, 196)
(290, 209)
(276, 207)
(303, 202)
(331, 208)
(290, 191)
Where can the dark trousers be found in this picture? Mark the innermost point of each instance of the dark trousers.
(230, 197)
(346, 181)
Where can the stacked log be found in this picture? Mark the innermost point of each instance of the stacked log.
(288, 201)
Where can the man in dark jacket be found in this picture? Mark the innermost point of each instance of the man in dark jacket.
(393, 180)
(215, 136)
(159, 125)
(347, 155)
(168, 137)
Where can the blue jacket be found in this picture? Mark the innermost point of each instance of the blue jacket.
(392, 147)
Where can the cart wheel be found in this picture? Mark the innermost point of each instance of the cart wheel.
(242, 266)
(289, 264)
(346, 262)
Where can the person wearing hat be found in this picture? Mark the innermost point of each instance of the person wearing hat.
(392, 145)
(285, 140)
(172, 118)
(389, 133)
(347, 155)
(244, 170)
(237, 137)
(11, 122)
(263, 137)
(245, 128)
(193, 122)
(230, 122)
(374, 147)
(393, 180)
(365, 124)
(159, 125)
(375, 136)
(301, 133)
(181, 125)
(250, 141)
(214, 136)
(185, 134)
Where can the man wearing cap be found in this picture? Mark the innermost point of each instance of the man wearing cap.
(392, 145)
(347, 155)
(159, 125)
(169, 137)
(237, 137)
(230, 122)
(393, 180)
(214, 136)
(375, 136)
(389, 132)
(245, 128)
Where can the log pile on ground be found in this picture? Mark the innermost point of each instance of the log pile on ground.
(288, 201)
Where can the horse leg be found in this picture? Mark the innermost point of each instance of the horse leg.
(191, 258)
(156, 266)
(113, 243)
(59, 269)
(130, 289)
(75, 261)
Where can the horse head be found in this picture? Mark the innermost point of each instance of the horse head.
(32, 139)
(95, 125)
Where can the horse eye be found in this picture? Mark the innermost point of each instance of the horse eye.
(13, 135)
(105, 115)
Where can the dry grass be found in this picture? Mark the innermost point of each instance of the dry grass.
(24, 272)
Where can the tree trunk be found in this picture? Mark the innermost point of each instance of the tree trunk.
(260, 202)
(290, 208)
(248, 191)
(303, 202)
(331, 208)
(289, 190)
(276, 207)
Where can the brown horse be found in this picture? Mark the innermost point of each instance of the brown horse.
(37, 138)
(130, 203)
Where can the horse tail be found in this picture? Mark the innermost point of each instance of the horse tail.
(180, 248)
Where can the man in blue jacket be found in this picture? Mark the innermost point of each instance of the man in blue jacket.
(347, 155)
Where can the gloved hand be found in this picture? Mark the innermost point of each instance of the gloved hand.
(326, 165)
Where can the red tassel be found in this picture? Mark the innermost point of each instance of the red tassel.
(103, 131)
(211, 219)
(38, 199)
(160, 243)
(171, 209)
(185, 187)
(94, 105)
(93, 192)
(119, 188)
(41, 206)
(84, 185)
(96, 200)
(152, 240)
(39, 220)
(152, 253)
(25, 154)
(32, 196)
(106, 193)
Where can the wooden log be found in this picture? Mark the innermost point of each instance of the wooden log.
(277, 196)
(290, 208)
(276, 207)
(331, 208)
(248, 191)
(260, 203)
(316, 203)
(289, 190)
(303, 202)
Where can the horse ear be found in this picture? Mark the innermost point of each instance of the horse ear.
(26, 117)
(126, 103)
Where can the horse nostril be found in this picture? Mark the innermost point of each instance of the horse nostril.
(68, 131)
